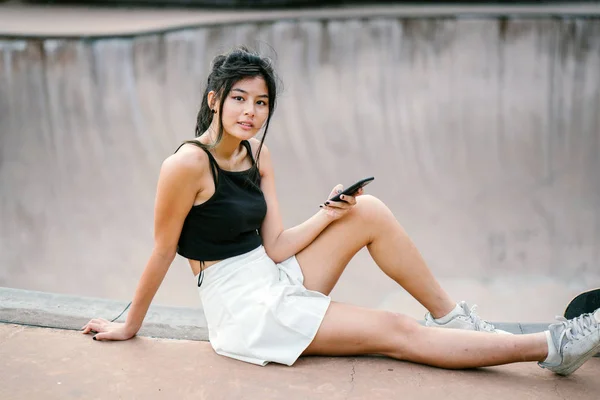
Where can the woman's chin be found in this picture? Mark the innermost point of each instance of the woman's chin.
(241, 132)
(244, 134)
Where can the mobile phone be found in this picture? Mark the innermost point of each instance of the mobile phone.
(351, 190)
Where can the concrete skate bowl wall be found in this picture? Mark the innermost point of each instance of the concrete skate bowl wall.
(483, 136)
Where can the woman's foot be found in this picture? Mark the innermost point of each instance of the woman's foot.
(462, 317)
(572, 342)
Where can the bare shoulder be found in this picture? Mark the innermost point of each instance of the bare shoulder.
(189, 163)
(255, 144)
(265, 155)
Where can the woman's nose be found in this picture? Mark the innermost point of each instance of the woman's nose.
(249, 110)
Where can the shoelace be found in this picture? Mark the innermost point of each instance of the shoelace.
(481, 324)
(577, 327)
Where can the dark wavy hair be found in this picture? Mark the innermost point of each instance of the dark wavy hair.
(228, 69)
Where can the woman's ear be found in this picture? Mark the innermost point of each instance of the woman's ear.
(212, 100)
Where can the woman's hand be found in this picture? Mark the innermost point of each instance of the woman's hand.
(337, 209)
(108, 330)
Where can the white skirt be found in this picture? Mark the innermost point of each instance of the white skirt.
(259, 311)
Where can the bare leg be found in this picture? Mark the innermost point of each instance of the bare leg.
(351, 330)
(371, 223)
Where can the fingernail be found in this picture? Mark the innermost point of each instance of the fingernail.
(94, 338)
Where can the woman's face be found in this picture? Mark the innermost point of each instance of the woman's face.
(246, 108)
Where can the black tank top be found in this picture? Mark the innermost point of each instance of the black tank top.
(227, 224)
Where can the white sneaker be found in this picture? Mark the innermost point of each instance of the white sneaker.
(463, 318)
(575, 340)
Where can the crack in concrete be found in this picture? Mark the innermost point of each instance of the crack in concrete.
(352, 373)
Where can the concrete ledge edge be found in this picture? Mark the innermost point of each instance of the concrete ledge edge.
(60, 311)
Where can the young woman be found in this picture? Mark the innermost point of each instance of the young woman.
(265, 289)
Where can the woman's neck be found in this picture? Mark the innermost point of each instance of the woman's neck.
(228, 147)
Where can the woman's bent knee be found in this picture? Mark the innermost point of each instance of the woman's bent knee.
(373, 215)
(370, 208)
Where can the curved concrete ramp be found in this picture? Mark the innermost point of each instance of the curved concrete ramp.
(483, 136)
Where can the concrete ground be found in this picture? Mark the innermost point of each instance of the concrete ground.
(56, 364)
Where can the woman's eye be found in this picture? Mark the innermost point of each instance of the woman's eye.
(240, 98)
(262, 103)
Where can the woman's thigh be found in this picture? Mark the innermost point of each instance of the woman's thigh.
(323, 261)
(351, 330)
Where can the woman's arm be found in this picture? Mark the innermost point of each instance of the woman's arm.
(178, 185)
(281, 244)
